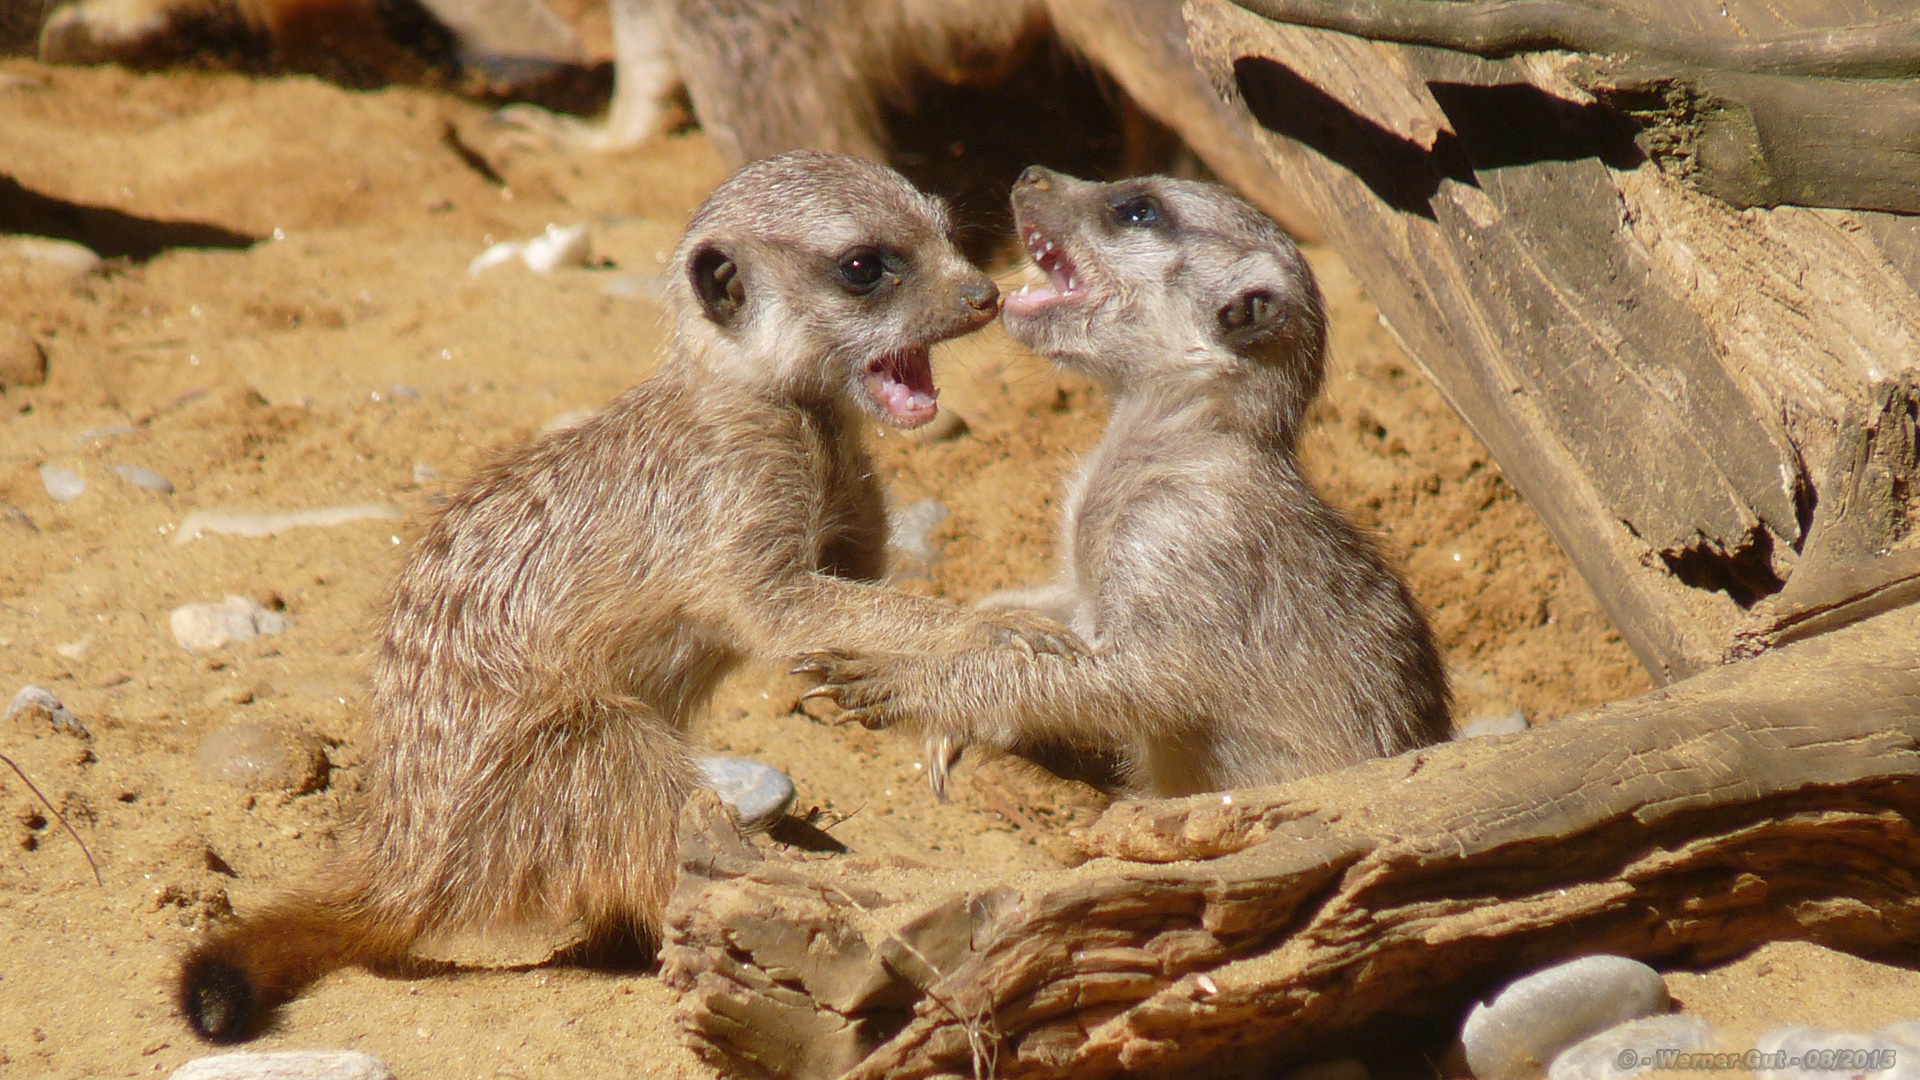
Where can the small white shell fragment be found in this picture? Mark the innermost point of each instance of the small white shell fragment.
(558, 246)
(145, 479)
(502, 252)
(1529, 1023)
(758, 793)
(63, 484)
(1206, 983)
(204, 627)
(233, 523)
(1631, 1048)
(287, 1065)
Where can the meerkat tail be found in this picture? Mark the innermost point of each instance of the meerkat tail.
(230, 984)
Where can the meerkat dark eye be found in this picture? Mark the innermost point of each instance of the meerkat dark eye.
(863, 269)
(1139, 211)
(1252, 315)
(716, 283)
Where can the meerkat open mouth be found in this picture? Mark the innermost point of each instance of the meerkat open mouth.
(1052, 260)
(901, 383)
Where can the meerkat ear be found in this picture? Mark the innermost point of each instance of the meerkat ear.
(1251, 317)
(716, 282)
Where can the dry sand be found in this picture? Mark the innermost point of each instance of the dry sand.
(348, 358)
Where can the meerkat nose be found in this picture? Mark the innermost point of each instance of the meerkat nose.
(1037, 177)
(982, 297)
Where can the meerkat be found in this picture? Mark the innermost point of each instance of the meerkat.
(1241, 631)
(555, 629)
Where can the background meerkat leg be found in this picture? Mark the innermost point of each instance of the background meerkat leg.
(645, 78)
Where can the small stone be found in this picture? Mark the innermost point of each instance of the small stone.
(1806, 1053)
(424, 473)
(1631, 1048)
(63, 484)
(287, 1065)
(262, 755)
(22, 361)
(1336, 1069)
(63, 256)
(1511, 722)
(37, 703)
(559, 246)
(1529, 1023)
(145, 479)
(758, 793)
(205, 627)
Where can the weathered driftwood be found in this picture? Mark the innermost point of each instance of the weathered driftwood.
(1812, 107)
(1668, 381)
(1776, 798)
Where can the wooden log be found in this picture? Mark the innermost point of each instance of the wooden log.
(1775, 798)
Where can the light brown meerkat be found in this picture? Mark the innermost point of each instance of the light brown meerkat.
(1241, 631)
(553, 632)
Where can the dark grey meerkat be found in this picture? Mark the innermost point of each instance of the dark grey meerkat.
(1241, 631)
(553, 632)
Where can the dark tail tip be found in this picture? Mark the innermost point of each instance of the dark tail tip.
(218, 998)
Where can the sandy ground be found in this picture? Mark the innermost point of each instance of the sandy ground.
(348, 358)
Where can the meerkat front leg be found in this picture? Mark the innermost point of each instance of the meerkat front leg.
(645, 78)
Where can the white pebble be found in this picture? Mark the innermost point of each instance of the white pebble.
(287, 1065)
(63, 484)
(1631, 1048)
(145, 479)
(204, 627)
(34, 697)
(232, 523)
(1807, 1053)
(1509, 722)
(758, 793)
(1525, 1026)
(75, 259)
(502, 252)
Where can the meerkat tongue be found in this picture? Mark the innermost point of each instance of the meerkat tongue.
(901, 382)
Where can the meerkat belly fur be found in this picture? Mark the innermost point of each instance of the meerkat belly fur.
(553, 632)
(1242, 632)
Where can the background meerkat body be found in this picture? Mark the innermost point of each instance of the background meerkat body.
(553, 632)
(1242, 632)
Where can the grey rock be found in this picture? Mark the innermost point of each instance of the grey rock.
(63, 484)
(145, 479)
(287, 1065)
(1336, 1069)
(205, 627)
(758, 793)
(38, 699)
(64, 256)
(1807, 1053)
(1528, 1024)
(1631, 1048)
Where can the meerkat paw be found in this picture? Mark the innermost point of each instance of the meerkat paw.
(1032, 633)
(858, 685)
